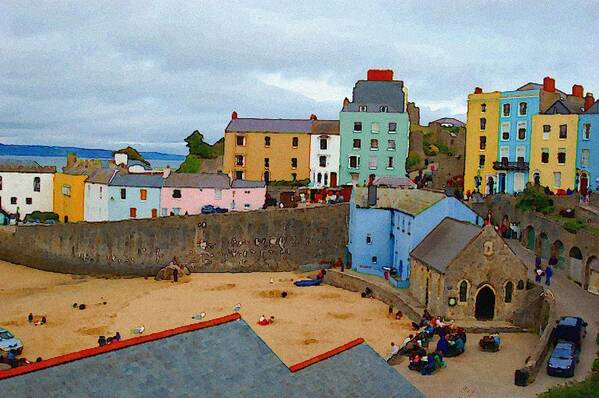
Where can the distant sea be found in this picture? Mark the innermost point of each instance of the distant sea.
(61, 161)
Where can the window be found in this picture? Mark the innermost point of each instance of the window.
(504, 153)
(354, 162)
(463, 291)
(483, 107)
(374, 259)
(143, 194)
(267, 141)
(176, 193)
(363, 108)
(383, 108)
(218, 194)
(357, 143)
(100, 192)
(357, 127)
(506, 109)
(0, 183)
(390, 145)
(319, 178)
(246, 206)
(66, 190)
(164, 212)
(368, 239)
(240, 140)
(392, 127)
(322, 161)
(521, 130)
(266, 163)
(481, 161)
(389, 162)
(522, 108)
(36, 184)
(409, 227)
(557, 179)
(293, 163)
(546, 131)
(482, 144)
(323, 144)
(154, 213)
(563, 131)
(293, 176)
(373, 162)
(295, 142)
(375, 127)
(586, 131)
(176, 211)
(483, 123)
(13, 201)
(508, 291)
(239, 160)
(544, 155)
(561, 156)
(520, 153)
(239, 175)
(132, 212)
(28, 201)
(585, 155)
(374, 144)
(505, 131)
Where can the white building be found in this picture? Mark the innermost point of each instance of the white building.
(96, 195)
(324, 153)
(25, 187)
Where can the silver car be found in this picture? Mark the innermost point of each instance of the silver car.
(9, 342)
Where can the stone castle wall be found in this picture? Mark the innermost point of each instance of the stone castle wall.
(273, 240)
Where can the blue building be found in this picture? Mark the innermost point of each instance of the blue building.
(132, 196)
(387, 223)
(516, 109)
(588, 149)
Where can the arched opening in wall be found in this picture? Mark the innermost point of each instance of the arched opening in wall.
(485, 304)
(536, 178)
(543, 246)
(575, 269)
(592, 266)
(557, 252)
(508, 292)
(464, 288)
(333, 179)
(490, 186)
(530, 237)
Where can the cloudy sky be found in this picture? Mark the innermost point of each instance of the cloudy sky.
(102, 76)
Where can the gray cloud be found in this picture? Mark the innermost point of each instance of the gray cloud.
(149, 74)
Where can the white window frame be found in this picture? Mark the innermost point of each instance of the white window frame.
(586, 137)
(557, 179)
(392, 167)
(522, 114)
(508, 130)
(522, 124)
(503, 109)
(392, 131)
(357, 161)
(545, 150)
(521, 149)
(375, 127)
(565, 152)
(372, 148)
(546, 134)
(504, 150)
(389, 148)
(584, 160)
(373, 162)
(362, 108)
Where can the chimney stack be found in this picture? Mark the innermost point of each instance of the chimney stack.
(380, 74)
(478, 90)
(166, 172)
(577, 90)
(71, 159)
(549, 84)
(313, 117)
(234, 115)
(589, 100)
(345, 102)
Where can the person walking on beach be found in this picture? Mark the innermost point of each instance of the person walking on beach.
(175, 275)
(548, 274)
(538, 269)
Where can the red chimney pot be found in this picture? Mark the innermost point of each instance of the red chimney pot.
(577, 90)
(589, 100)
(380, 74)
(549, 84)
(234, 115)
(478, 90)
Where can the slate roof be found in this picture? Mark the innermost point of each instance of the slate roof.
(445, 242)
(24, 166)
(537, 86)
(101, 176)
(449, 120)
(228, 360)
(394, 182)
(564, 107)
(197, 180)
(328, 127)
(137, 180)
(374, 93)
(410, 201)
(270, 125)
(247, 184)
(594, 108)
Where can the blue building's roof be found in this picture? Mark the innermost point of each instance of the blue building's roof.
(375, 93)
(229, 361)
(137, 180)
(594, 108)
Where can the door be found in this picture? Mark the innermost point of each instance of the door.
(485, 304)
(501, 182)
(584, 184)
(530, 243)
(333, 180)
(518, 182)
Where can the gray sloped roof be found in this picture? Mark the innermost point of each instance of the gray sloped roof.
(394, 182)
(445, 242)
(594, 108)
(197, 180)
(409, 201)
(564, 107)
(247, 184)
(135, 162)
(537, 86)
(137, 180)
(101, 176)
(374, 93)
(270, 125)
(227, 360)
(449, 120)
(24, 166)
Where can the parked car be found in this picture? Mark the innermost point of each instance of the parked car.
(220, 210)
(9, 342)
(563, 359)
(208, 209)
(572, 329)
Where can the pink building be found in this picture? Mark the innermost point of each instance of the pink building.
(186, 193)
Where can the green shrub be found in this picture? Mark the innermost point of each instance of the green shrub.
(573, 226)
(285, 183)
(191, 164)
(413, 161)
(40, 216)
(588, 388)
(534, 199)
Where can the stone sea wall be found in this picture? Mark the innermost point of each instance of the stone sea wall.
(272, 240)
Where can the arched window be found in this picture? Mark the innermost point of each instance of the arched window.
(463, 291)
(438, 288)
(36, 184)
(508, 291)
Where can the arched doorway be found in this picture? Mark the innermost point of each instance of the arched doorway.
(592, 266)
(530, 238)
(536, 178)
(485, 304)
(557, 251)
(583, 184)
(490, 186)
(544, 246)
(575, 265)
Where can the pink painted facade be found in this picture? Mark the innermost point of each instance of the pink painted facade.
(248, 198)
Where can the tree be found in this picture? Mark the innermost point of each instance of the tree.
(191, 164)
(533, 198)
(199, 150)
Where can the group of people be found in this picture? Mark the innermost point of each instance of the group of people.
(427, 364)
(263, 321)
(547, 271)
(14, 362)
(36, 320)
(102, 340)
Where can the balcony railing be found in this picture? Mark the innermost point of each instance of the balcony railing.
(504, 165)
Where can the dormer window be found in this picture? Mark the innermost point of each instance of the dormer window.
(363, 108)
(383, 108)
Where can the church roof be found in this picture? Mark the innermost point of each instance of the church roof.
(445, 242)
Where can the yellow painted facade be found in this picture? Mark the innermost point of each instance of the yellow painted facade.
(68, 197)
(481, 106)
(546, 166)
(245, 154)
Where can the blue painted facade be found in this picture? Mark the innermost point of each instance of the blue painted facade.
(515, 146)
(588, 140)
(385, 237)
(126, 199)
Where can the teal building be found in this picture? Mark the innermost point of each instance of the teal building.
(374, 130)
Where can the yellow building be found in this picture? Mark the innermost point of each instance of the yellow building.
(267, 149)
(553, 148)
(68, 196)
(481, 140)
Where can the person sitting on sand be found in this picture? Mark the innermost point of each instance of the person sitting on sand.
(394, 351)
(263, 321)
(30, 317)
(398, 315)
(407, 340)
(117, 337)
(271, 320)
(101, 341)
(442, 345)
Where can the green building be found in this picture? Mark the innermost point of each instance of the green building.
(374, 130)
